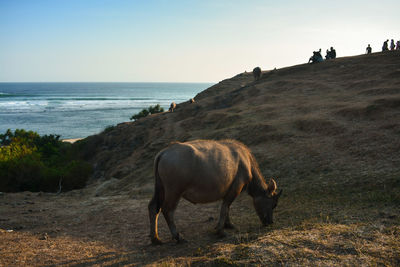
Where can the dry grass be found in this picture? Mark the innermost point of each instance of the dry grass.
(329, 133)
(314, 225)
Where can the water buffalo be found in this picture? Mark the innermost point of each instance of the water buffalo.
(204, 171)
(172, 107)
(257, 73)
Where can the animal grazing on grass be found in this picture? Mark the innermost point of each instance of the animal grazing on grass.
(203, 171)
(257, 73)
(172, 107)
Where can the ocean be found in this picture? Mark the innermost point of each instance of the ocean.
(77, 110)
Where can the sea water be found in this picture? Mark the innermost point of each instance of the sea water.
(77, 110)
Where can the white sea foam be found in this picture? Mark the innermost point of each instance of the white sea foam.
(81, 109)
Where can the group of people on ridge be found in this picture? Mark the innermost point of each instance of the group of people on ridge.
(385, 46)
(331, 54)
(317, 57)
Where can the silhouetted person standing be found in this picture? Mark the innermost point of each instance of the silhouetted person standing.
(332, 53)
(369, 49)
(385, 45)
(392, 45)
(398, 45)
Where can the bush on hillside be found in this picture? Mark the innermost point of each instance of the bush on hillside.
(145, 112)
(30, 162)
(108, 129)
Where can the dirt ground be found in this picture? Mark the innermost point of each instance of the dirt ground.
(73, 229)
(76, 229)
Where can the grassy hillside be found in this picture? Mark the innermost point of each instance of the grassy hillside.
(334, 125)
(328, 133)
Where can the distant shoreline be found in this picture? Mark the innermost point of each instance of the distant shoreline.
(61, 108)
(72, 140)
(211, 83)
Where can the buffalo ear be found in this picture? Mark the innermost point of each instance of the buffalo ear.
(271, 186)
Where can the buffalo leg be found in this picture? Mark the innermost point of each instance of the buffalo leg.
(222, 217)
(154, 211)
(226, 203)
(228, 224)
(168, 210)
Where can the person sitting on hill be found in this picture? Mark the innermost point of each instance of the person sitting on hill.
(369, 49)
(328, 54)
(385, 45)
(317, 57)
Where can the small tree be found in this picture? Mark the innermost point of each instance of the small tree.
(145, 112)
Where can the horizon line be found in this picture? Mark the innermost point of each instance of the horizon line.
(100, 82)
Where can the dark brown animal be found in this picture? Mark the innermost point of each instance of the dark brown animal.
(172, 107)
(203, 171)
(257, 73)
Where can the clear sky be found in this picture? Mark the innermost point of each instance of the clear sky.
(180, 41)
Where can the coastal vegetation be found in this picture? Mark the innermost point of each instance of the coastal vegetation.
(148, 111)
(30, 162)
(108, 129)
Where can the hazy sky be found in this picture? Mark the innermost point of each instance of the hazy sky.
(180, 41)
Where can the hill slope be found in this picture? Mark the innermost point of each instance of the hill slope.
(339, 119)
(329, 133)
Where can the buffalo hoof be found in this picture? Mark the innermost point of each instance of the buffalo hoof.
(156, 241)
(229, 225)
(267, 224)
(180, 239)
(221, 234)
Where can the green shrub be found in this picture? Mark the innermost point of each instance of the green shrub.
(30, 162)
(145, 112)
(76, 174)
(108, 129)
